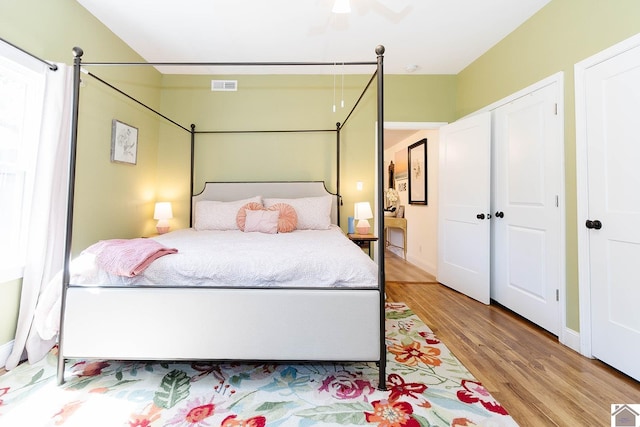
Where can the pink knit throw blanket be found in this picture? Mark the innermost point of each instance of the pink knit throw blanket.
(128, 257)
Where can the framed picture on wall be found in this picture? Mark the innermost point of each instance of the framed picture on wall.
(417, 159)
(400, 158)
(124, 143)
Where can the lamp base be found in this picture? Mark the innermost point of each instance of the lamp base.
(363, 227)
(162, 230)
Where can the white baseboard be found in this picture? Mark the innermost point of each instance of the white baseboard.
(422, 265)
(5, 351)
(571, 339)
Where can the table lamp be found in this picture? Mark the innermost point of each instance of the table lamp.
(163, 214)
(362, 213)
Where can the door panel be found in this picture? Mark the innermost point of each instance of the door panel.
(612, 96)
(526, 244)
(464, 188)
(527, 177)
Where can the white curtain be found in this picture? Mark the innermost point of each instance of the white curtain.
(47, 224)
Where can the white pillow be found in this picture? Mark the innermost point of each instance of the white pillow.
(216, 215)
(314, 213)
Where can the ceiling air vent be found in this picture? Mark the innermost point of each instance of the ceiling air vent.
(224, 85)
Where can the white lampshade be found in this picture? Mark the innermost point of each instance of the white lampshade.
(341, 6)
(163, 214)
(362, 212)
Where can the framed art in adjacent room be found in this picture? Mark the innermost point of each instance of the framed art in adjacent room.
(400, 158)
(124, 143)
(418, 172)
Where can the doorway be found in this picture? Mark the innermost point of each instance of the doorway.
(420, 221)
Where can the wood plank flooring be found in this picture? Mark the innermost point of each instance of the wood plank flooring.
(538, 380)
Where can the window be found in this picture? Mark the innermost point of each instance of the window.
(21, 101)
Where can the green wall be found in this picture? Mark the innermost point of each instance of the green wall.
(50, 29)
(560, 35)
(9, 303)
(110, 198)
(291, 102)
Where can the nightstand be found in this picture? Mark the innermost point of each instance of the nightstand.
(363, 240)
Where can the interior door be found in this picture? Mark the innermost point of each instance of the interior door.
(527, 178)
(463, 207)
(612, 103)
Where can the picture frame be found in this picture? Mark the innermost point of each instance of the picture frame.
(400, 213)
(124, 143)
(400, 159)
(417, 159)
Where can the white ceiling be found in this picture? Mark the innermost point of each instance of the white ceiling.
(437, 36)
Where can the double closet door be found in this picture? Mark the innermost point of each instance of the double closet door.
(500, 215)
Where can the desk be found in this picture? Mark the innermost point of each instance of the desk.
(363, 240)
(399, 223)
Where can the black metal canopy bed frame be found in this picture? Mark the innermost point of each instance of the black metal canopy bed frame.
(288, 323)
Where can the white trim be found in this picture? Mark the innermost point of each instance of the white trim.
(11, 273)
(562, 270)
(554, 78)
(417, 126)
(571, 339)
(5, 351)
(584, 262)
(582, 212)
(413, 125)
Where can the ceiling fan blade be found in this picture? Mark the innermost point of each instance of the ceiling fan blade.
(395, 6)
(341, 6)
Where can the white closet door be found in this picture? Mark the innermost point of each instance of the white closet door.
(612, 109)
(464, 202)
(527, 179)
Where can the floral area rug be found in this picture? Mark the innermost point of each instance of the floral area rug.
(427, 386)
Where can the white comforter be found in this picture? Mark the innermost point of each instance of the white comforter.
(303, 258)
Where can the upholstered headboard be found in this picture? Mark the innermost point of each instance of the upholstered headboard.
(230, 191)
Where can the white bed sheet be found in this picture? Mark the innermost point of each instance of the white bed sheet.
(303, 258)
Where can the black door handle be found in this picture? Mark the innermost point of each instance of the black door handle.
(480, 216)
(499, 214)
(595, 224)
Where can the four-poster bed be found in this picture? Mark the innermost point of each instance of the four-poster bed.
(307, 318)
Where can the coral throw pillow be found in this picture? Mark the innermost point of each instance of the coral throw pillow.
(241, 217)
(287, 216)
(288, 219)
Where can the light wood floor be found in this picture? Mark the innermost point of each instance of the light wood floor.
(539, 381)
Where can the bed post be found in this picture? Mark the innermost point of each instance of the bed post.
(193, 143)
(77, 60)
(382, 385)
(339, 201)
